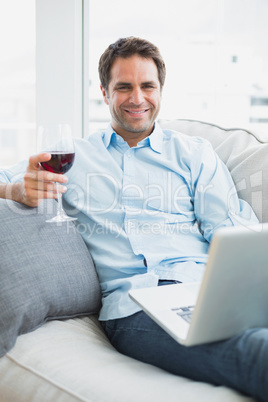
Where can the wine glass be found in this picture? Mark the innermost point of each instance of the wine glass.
(57, 140)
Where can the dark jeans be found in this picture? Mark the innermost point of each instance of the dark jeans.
(240, 362)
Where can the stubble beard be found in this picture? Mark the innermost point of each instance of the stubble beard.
(134, 128)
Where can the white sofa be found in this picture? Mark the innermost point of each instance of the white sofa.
(69, 359)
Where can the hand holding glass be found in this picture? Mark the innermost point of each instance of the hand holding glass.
(58, 141)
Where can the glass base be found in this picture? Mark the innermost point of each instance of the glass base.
(61, 218)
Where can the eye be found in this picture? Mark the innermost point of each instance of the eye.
(148, 86)
(123, 88)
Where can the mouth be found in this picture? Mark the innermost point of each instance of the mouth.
(136, 113)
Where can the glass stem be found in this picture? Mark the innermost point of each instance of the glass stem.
(59, 205)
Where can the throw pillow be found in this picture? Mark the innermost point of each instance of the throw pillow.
(46, 271)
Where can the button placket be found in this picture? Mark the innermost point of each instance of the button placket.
(128, 193)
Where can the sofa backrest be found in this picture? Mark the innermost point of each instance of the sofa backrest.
(245, 155)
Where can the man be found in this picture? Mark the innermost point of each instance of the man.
(148, 202)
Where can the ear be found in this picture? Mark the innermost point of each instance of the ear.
(105, 96)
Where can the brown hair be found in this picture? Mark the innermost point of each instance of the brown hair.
(127, 47)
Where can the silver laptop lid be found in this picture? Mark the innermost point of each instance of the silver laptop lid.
(234, 292)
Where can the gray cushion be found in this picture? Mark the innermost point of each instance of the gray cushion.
(243, 152)
(46, 271)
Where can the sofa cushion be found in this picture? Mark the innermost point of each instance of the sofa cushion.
(243, 152)
(46, 271)
(50, 364)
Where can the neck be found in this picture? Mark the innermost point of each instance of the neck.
(133, 138)
(132, 142)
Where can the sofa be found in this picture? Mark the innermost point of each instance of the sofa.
(52, 346)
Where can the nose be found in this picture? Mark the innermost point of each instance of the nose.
(136, 96)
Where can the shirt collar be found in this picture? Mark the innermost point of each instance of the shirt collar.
(155, 138)
(107, 135)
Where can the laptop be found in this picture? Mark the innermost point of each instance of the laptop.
(232, 296)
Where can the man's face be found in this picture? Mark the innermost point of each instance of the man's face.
(133, 96)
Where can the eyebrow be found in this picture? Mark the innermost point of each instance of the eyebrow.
(150, 83)
(122, 83)
(129, 83)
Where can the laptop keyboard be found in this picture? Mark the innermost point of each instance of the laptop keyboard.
(184, 312)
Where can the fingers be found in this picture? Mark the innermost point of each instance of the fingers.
(36, 182)
(44, 176)
(36, 172)
(35, 160)
(40, 184)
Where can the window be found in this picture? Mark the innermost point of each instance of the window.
(17, 80)
(215, 52)
(41, 72)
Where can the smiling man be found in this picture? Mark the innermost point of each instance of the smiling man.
(133, 95)
(147, 203)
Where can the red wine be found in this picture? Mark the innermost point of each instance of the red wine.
(59, 163)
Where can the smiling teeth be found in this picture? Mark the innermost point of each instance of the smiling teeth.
(141, 111)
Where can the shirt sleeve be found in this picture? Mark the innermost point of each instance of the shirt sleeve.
(216, 201)
(14, 174)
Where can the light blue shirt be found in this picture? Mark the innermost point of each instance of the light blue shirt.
(148, 212)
